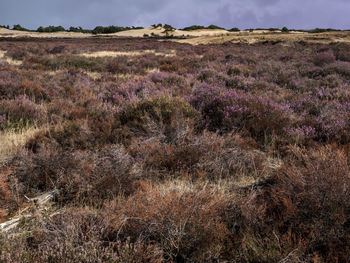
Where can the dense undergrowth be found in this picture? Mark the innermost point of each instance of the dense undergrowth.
(219, 153)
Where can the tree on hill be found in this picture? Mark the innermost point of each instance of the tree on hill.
(234, 29)
(20, 28)
(285, 30)
(197, 27)
(168, 29)
(51, 29)
(215, 27)
(194, 27)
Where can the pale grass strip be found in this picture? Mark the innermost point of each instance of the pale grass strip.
(127, 53)
(11, 142)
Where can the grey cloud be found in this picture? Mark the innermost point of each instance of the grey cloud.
(226, 13)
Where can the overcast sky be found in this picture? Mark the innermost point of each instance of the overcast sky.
(299, 14)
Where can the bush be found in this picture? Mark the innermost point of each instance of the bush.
(76, 234)
(342, 51)
(19, 27)
(51, 29)
(78, 176)
(194, 27)
(235, 29)
(323, 58)
(111, 29)
(159, 109)
(215, 27)
(307, 203)
(221, 110)
(285, 30)
(185, 225)
(22, 112)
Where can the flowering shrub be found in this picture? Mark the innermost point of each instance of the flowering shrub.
(21, 112)
(323, 58)
(234, 109)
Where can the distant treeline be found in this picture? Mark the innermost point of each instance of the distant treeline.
(168, 28)
(96, 30)
(196, 27)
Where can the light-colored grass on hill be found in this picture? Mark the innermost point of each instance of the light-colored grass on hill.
(256, 37)
(128, 53)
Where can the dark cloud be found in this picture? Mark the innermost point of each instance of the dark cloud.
(226, 13)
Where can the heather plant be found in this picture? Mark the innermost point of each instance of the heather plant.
(159, 109)
(3, 121)
(323, 58)
(341, 51)
(303, 183)
(75, 235)
(233, 109)
(185, 225)
(22, 112)
(82, 175)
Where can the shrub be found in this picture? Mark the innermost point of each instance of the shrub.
(51, 29)
(185, 225)
(227, 110)
(78, 176)
(215, 27)
(19, 27)
(33, 90)
(160, 109)
(342, 51)
(285, 30)
(323, 58)
(306, 201)
(194, 27)
(116, 66)
(235, 29)
(22, 112)
(229, 156)
(73, 235)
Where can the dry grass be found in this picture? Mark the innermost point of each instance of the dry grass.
(256, 37)
(169, 53)
(11, 142)
(9, 60)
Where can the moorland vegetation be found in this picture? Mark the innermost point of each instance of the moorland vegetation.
(207, 153)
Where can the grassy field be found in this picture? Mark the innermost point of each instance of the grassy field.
(140, 150)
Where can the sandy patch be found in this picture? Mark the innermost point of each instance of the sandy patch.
(127, 53)
(160, 31)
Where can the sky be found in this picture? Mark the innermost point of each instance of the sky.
(244, 14)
